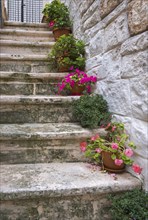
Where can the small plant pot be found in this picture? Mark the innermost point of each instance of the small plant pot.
(77, 90)
(63, 69)
(109, 164)
(58, 32)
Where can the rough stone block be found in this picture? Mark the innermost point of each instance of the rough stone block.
(106, 6)
(137, 16)
(135, 44)
(90, 11)
(117, 96)
(116, 32)
(139, 97)
(93, 62)
(16, 89)
(112, 64)
(134, 65)
(85, 5)
(92, 20)
(96, 46)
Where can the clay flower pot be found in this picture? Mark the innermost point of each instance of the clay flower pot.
(109, 164)
(77, 90)
(58, 32)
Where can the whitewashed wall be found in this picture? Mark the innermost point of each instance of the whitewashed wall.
(116, 38)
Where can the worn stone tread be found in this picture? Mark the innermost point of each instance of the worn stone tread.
(23, 43)
(45, 131)
(35, 99)
(23, 77)
(9, 57)
(25, 24)
(59, 179)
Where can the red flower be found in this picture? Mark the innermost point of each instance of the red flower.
(83, 146)
(136, 168)
(93, 138)
(51, 24)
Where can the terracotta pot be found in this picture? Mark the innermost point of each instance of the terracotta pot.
(77, 90)
(63, 69)
(58, 32)
(109, 163)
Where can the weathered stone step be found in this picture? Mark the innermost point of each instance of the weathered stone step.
(29, 35)
(24, 63)
(35, 109)
(25, 47)
(65, 191)
(26, 26)
(14, 83)
(37, 143)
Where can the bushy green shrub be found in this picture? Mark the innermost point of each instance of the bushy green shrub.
(91, 111)
(131, 205)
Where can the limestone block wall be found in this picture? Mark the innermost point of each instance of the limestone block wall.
(116, 41)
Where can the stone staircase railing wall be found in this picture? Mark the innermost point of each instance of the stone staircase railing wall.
(116, 39)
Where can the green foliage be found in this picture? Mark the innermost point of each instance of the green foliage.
(91, 111)
(57, 12)
(68, 51)
(131, 205)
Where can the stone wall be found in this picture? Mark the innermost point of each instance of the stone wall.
(116, 38)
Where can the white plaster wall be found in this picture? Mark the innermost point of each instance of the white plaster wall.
(116, 41)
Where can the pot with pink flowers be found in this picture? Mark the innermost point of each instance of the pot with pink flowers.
(114, 151)
(77, 82)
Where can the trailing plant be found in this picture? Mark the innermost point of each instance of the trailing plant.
(91, 110)
(57, 14)
(116, 142)
(77, 78)
(68, 51)
(131, 205)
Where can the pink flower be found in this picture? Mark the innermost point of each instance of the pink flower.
(51, 24)
(71, 68)
(136, 168)
(93, 138)
(98, 150)
(114, 146)
(113, 128)
(128, 152)
(88, 89)
(108, 126)
(83, 146)
(118, 162)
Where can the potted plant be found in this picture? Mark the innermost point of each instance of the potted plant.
(114, 150)
(57, 14)
(66, 52)
(77, 82)
(91, 111)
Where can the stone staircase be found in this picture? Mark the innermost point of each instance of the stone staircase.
(43, 175)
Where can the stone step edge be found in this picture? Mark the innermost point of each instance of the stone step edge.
(26, 33)
(23, 77)
(60, 179)
(14, 43)
(25, 24)
(46, 131)
(36, 99)
(8, 57)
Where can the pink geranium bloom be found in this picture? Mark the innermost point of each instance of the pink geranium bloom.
(83, 146)
(98, 150)
(51, 24)
(128, 152)
(118, 162)
(93, 138)
(114, 146)
(113, 128)
(136, 168)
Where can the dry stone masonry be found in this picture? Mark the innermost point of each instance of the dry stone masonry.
(115, 32)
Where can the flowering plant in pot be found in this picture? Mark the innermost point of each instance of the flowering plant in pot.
(114, 150)
(66, 52)
(77, 82)
(57, 15)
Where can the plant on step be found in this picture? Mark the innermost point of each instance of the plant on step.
(114, 150)
(66, 52)
(91, 111)
(77, 82)
(130, 205)
(57, 14)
